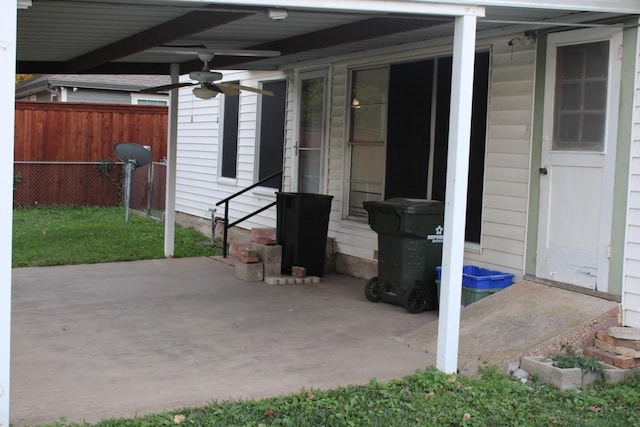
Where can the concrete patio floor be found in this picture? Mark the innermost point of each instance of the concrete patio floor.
(109, 340)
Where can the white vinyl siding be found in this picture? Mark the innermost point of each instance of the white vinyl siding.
(198, 184)
(507, 158)
(507, 162)
(631, 285)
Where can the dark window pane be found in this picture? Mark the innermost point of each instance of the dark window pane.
(230, 136)
(570, 96)
(580, 97)
(272, 123)
(595, 96)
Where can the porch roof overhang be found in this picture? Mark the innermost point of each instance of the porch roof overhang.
(150, 37)
(146, 36)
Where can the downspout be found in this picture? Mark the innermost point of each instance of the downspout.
(53, 91)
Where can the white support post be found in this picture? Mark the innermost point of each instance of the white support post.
(8, 19)
(172, 149)
(456, 194)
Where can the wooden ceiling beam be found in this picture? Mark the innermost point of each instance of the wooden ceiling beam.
(335, 36)
(187, 24)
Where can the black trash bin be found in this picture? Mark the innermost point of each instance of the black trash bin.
(302, 225)
(409, 250)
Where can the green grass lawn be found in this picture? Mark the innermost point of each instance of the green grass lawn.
(69, 235)
(427, 398)
(84, 235)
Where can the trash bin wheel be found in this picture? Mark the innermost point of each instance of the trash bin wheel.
(372, 290)
(416, 300)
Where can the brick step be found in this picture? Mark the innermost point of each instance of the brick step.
(236, 248)
(621, 346)
(611, 358)
(265, 236)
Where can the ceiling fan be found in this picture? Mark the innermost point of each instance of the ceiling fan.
(205, 79)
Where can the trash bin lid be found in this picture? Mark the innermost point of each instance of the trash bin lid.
(408, 206)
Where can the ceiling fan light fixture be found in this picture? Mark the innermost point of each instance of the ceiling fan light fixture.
(204, 93)
(278, 14)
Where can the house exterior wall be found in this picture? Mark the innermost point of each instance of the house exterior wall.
(102, 96)
(506, 164)
(198, 184)
(507, 153)
(631, 284)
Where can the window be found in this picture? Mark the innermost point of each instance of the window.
(272, 123)
(230, 137)
(581, 97)
(151, 102)
(146, 99)
(367, 135)
(398, 148)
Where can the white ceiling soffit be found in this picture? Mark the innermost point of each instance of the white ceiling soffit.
(448, 7)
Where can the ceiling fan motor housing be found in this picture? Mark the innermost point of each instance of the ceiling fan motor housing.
(205, 76)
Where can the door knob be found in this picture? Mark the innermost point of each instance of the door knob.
(543, 171)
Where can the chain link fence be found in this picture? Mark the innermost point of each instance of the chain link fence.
(88, 184)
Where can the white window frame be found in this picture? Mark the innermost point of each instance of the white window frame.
(349, 144)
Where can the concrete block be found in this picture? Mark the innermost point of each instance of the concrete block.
(258, 233)
(563, 379)
(272, 268)
(268, 254)
(275, 280)
(250, 272)
(571, 378)
(330, 256)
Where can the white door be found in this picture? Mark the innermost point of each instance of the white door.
(311, 125)
(578, 153)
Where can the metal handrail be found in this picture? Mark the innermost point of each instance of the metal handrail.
(226, 209)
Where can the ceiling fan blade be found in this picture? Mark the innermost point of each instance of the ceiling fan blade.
(212, 86)
(228, 89)
(247, 88)
(192, 50)
(166, 87)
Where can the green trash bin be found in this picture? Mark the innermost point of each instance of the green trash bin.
(410, 236)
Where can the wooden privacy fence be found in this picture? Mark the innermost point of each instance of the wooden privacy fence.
(64, 153)
(85, 132)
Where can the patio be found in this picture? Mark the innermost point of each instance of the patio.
(117, 339)
(110, 340)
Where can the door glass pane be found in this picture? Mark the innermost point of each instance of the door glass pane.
(581, 97)
(311, 113)
(309, 167)
(311, 133)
